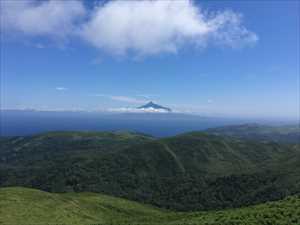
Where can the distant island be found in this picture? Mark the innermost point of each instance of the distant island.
(151, 106)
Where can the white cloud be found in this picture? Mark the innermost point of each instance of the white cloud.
(53, 18)
(152, 27)
(122, 98)
(61, 88)
(135, 27)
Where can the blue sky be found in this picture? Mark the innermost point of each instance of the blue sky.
(227, 58)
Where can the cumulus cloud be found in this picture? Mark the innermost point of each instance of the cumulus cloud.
(135, 27)
(53, 18)
(152, 27)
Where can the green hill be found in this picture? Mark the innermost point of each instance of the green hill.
(15, 150)
(282, 134)
(193, 171)
(29, 206)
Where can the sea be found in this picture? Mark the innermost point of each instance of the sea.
(29, 122)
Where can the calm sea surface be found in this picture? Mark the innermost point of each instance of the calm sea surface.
(31, 122)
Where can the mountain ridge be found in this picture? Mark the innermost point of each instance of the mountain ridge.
(258, 132)
(192, 171)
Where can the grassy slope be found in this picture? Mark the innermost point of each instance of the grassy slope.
(28, 206)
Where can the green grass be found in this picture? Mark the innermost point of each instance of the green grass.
(23, 206)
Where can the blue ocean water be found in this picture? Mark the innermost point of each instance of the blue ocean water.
(20, 122)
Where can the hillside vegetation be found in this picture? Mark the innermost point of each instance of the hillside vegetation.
(283, 134)
(188, 172)
(28, 206)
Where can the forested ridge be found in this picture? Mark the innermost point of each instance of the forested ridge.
(188, 172)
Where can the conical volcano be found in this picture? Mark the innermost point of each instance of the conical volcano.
(155, 107)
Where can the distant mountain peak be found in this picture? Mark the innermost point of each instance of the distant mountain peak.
(151, 106)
